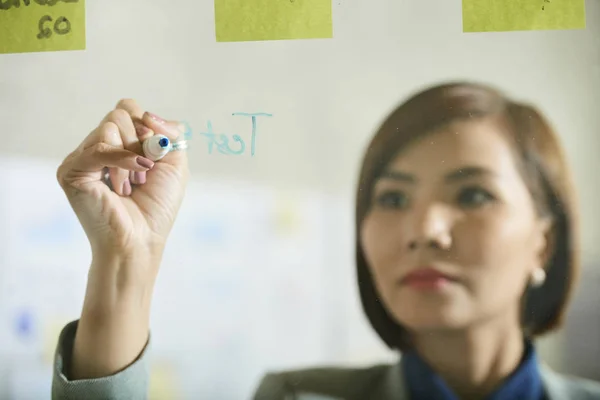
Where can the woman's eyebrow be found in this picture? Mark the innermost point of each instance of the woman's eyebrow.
(453, 176)
(398, 176)
(469, 172)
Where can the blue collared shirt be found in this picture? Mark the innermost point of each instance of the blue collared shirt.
(525, 383)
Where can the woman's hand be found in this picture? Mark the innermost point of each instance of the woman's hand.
(138, 212)
(127, 219)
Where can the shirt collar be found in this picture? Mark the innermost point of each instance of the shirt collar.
(525, 383)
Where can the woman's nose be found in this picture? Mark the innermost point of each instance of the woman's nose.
(431, 228)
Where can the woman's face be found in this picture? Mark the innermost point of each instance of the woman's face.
(453, 203)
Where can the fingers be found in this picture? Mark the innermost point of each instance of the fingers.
(127, 118)
(142, 131)
(170, 129)
(87, 166)
(101, 155)
(111, 134)
(123, 121)
(126, 129)
(137, 178)
(104, 149)
(136, 113)
(132, 108)
(116, 146)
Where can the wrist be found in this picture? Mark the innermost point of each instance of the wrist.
(114, 324)
(120, 283)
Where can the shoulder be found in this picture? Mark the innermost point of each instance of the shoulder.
(321, 382)
(562, 386)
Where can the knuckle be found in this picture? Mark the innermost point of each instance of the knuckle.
(118, 114)
(63, 169)
(127, 104)
(109, 132)
(101, 148)
(60, 174)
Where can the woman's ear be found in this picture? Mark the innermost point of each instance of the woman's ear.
(545, 241)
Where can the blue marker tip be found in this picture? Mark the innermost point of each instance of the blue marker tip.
(163, 142)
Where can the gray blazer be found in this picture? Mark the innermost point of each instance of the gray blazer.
(381, 382)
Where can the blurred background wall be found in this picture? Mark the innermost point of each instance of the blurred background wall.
(259, 272)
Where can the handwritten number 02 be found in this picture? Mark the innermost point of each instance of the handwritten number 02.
(62, 26)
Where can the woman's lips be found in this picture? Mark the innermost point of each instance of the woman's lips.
(427, 279)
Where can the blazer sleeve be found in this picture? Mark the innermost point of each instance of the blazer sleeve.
(129, 384)
(273, 387)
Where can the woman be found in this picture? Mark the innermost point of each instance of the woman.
(466, 251)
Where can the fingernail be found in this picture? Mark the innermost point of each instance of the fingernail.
(141, 129)
(156, 118)
(144, 162)
(126, 188)
(139, 178)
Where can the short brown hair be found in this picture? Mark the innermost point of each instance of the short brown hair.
(542, 165)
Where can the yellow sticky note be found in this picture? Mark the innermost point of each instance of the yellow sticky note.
(522, 15)
(248, 20)
(41, 25)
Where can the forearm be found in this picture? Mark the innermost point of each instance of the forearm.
(114, 325)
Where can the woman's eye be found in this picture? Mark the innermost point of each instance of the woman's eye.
(392, 200)
(474, 197)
